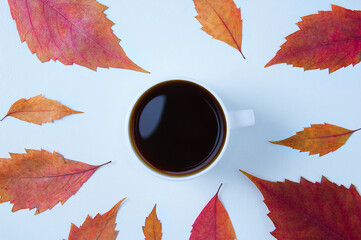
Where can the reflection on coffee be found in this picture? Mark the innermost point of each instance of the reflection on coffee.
(177, 128)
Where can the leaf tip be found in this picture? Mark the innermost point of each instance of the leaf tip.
(269, 64)
(121, 201)
(77, 112)
(154, 210)
(138, 69)
(116, 206)
(323, 179)
(245, 173)
(254, 179)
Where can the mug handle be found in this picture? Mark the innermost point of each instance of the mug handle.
(241, 118)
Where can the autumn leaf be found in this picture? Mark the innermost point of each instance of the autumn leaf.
(38, 110)
(318, 139)
(100, 228)
(153, 227)
(213, 223)
(70, 31)
(39, 179)
(329, 39)
(307, 211)
(222, 20)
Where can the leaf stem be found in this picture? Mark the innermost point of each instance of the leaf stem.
(242, 55)
(219, 188)
(101, 165)
(357, 130)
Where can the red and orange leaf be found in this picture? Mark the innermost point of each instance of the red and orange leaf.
(213, 223)
(329, 39)
(318, 139)
(71, 31)
(38, 110)
(39, 179)
(153, 227)
(309, 210)
(222, 20)
(102, 227)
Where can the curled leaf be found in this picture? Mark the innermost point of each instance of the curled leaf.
(102, 227)
(222, 20)
(307, 210)
(329, 39)
(38, 110)
(318, 139)
(39, 179)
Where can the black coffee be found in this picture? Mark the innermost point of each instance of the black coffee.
(177, 128)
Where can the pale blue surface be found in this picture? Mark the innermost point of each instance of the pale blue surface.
(163, 37)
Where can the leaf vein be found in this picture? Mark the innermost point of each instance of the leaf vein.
(31, 23)
(79, 29)
(227, 28)
(53, 176)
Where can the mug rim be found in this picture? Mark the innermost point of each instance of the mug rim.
(191, 175)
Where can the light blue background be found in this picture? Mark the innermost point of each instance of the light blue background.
(163, 37)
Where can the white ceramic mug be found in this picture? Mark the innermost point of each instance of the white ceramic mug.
(233, 119)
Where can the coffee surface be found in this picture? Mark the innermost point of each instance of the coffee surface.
(177, 127)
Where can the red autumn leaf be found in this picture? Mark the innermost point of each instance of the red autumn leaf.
(71, 31)
(318, 139)
(329, 39)
(307, 211)
(100, 228)
(153, 227)
(213, 223)
(38, 110)
(222, 20)
(39, 179)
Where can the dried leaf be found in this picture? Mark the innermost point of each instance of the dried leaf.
(222, 20)
(70, 31)
(39, 179)
(213, 223)
(307, 211)
(100, 228)
(318, 139)
(153, 227)
(329, 39)
(38, 110)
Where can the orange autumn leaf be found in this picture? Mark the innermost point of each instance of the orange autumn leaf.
(153, 227)
(329, 39)
(310, 211)
(71, 31)
(213, 223)
(318, 139)
(102, 227)
(222, 20)
(39, 179)
(38, 110)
